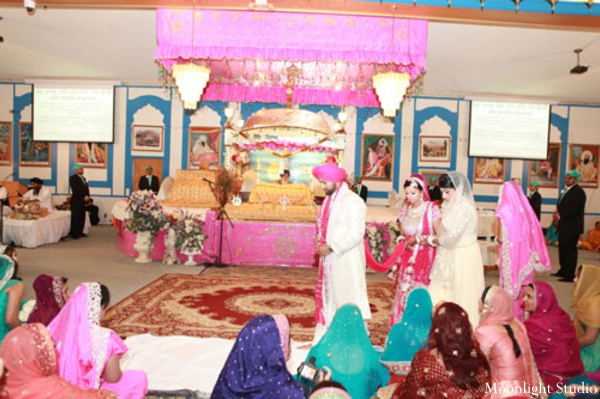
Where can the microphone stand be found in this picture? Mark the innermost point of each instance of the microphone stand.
(218, 263)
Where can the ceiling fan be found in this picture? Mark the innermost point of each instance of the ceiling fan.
(578, 69)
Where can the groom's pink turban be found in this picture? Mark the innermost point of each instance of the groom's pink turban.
(329, 172)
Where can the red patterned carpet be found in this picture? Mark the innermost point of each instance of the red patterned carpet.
(218, 306)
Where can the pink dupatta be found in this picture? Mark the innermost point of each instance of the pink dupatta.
(508, 369)
(28, 352)
(553, 338)
(523, 248)
(80, 342)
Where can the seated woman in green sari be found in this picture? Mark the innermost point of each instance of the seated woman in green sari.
(409, 335)
(11, 294)
(347, 351)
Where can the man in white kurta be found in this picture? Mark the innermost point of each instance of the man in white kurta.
(340, 245)
(40, 193)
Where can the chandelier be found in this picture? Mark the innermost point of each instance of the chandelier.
(190, 79)
(391, 88)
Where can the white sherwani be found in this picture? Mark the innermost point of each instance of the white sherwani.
(44, 196)
(344, 273)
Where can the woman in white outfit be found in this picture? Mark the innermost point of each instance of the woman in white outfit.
(457, 272)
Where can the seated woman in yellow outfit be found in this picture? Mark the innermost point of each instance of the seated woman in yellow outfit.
(586, 301)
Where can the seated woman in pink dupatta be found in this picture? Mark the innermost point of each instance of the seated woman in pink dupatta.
(88, 355)
(51, 294)
(419, 218)
(522, 244)
(30, 360)
(552, 336)
(504, 341)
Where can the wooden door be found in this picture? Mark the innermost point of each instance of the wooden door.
(139, 169)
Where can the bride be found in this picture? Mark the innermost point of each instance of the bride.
(457, 273)
(418, 218)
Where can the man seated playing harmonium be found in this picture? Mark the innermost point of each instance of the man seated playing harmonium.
(36, 202)
(37, 192)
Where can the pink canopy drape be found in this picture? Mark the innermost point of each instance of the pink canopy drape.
(248, 53)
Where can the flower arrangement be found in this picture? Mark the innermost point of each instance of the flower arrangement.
(189, 230)
(380, 236)
(146, 213)
(227, 185)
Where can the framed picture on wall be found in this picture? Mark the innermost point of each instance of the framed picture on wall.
(91, 155)
(584, 158)
(489, 170)
(6, 143)
(147, 138)
(546, 172)
(434, 149)
(377, 157)
(204, 148)
(33, 153)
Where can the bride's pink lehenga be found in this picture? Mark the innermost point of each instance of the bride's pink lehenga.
(416, 262)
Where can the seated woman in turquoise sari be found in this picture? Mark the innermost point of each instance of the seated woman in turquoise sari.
(347, 351)
(409, 336)
(11, 294)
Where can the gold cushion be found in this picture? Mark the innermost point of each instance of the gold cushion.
(190, 190)
(297, 194)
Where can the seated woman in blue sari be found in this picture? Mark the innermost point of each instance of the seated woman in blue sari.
(347, 351)
(255, 367)
(409, 336)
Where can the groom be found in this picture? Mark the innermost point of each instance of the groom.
(342, 264)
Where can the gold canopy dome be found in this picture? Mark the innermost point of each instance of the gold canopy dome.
(287, 121)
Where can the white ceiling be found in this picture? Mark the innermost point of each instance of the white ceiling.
(463, 60)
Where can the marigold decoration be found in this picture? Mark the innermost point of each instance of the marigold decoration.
(189, 230)
(146, 213)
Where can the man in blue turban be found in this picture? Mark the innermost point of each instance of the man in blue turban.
(535, 198)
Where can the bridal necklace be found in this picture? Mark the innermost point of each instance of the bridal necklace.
(416, 212)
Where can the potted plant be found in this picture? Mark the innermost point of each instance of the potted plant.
(189, 234)
(146, 219)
